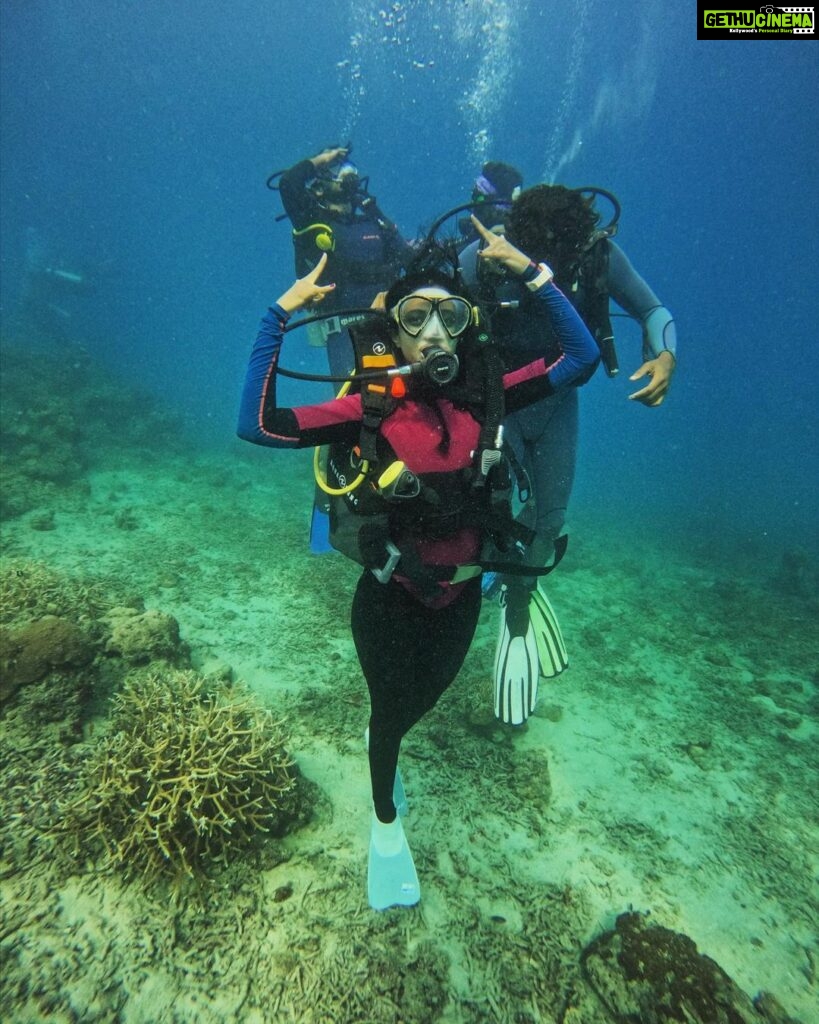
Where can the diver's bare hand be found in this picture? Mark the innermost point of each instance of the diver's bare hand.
(306, 291)
(499, 248)
(328, 156)
(660, 370)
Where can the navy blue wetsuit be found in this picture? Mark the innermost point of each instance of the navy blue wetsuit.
(366, 255)
(410, 664)
(544, 435)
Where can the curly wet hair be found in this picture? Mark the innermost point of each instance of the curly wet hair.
(435, 263)
(553, 224)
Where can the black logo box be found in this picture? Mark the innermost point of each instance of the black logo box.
(754, 31)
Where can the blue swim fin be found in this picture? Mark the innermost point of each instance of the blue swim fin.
(392, 880)
(399, 796)
(320, 531)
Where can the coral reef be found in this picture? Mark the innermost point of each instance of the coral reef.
(51, 640)
(30, 651)
(31, 590)
(183, 777)
(63, 649)
(139, 637)
(41, 427)
(645, 972)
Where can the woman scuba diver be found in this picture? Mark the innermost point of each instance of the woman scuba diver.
(416, 605)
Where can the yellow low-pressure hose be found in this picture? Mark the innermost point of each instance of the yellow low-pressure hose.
(337, 490)
(320, 480)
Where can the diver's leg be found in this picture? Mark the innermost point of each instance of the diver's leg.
(382, 642)
(386, 660)
(407, 666)
(552, 456)
(443, 639)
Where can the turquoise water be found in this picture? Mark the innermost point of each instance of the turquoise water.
(672, 769)
(138, 145)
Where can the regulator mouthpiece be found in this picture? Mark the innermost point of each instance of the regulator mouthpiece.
(439, 366)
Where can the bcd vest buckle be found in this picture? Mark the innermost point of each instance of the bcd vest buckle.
(384, 575)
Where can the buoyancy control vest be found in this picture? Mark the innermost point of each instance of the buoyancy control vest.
(586, 286)
(522, 330)
(358, 253)
(375, 499)
(590, 296)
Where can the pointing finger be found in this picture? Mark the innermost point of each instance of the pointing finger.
(482, 231)
(317, 270)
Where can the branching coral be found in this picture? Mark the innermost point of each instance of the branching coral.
(183, 777)
(30, 590)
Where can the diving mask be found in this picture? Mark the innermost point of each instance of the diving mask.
(413, 313)
(485, 192)
(345, 179)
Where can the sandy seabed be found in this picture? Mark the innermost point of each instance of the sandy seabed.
(671, 770)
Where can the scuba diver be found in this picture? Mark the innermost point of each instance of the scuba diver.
(416, 447)
(494, 191)
(332, 212)
(561, 227)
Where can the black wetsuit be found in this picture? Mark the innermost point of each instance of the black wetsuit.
(411, 643)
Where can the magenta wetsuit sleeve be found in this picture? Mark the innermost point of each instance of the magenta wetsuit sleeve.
(577, 362)
(261, 421)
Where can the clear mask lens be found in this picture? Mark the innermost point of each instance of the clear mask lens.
(415, 311)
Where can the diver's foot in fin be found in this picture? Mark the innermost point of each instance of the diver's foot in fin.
(550, 646)
(392, 880)
(516, 660)
(399, 795)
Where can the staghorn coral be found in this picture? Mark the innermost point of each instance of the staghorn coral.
(32, 589)
(183, 777)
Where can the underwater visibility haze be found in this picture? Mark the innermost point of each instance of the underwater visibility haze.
(671, 770)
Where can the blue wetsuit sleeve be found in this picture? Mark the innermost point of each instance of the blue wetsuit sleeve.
(580, 354)
(576, 364)
(632, 293)
(261, 421)
(259, 393)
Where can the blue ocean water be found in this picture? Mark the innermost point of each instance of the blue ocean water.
(137, 137)
(135, 140)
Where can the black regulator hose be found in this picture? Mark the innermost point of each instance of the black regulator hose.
(439, 367)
